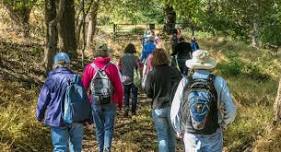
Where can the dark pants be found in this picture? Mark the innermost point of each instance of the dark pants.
(127, 91)
(182, 66)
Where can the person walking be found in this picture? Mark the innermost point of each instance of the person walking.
(182, 53)
(202, 106)
(194, 44)
(51, 104)
(160, 86)
(129, 67)
(101, 79)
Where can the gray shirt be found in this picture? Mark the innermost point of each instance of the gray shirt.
(128, 63)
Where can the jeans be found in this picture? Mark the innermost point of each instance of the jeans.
(182, 66)
(64, 137)
(103, 116)
(203, 143)
(164, 130)
(127, 92)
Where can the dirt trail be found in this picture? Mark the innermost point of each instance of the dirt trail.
(131, 134)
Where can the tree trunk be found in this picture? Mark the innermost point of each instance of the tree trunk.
(277, 104)
(52, 33)
(92, 23)
(254, 35)
(20, 16)
(170, 20)
(66, 27)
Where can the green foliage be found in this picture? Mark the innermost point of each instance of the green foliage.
(232, 68)
(19, 5)
(137, 30)
(127, 11)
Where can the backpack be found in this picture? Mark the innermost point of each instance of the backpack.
(101, 86)
(199, 106)
(76, 106)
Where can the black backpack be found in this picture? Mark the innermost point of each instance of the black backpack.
(198, 109)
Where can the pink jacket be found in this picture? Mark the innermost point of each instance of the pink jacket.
(113, 75)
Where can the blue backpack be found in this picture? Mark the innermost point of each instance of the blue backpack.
(76, 106)
(199, 105)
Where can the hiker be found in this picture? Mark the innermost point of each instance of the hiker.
(129, 67)
(146, 52)
(202, 107)
(182, 53)
(51, 106)
(148, 48)
(160, 86)
(147, 35)
(194, 44)
(101, 79)
(158, 42)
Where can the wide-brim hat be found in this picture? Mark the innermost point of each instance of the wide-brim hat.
(201, 60)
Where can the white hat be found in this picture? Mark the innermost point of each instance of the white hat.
(201, 60)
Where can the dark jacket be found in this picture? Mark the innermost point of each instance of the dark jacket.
(183, 50)
(161, 84)
(50, 101)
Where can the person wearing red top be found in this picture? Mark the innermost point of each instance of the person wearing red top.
(104, 114)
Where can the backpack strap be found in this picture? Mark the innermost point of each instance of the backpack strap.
(211, 80)
(100, 69)
(105, 66)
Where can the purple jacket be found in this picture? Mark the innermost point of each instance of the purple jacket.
(50, 101)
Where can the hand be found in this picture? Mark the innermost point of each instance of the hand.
(179, 135)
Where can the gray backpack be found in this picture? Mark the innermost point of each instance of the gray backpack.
(101, 86)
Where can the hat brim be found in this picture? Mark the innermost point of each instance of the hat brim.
(209, 64)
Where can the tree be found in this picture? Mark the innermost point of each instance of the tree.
(277, 105)
(19, 12)
(92, 23)
(66, 27)
(52, 33)
(60, 23)
(170, 20)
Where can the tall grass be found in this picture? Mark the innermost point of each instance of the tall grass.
(252, 76)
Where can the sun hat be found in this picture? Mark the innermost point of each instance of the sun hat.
(201, 60)
(61, 58)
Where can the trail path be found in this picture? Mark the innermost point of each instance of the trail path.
(131, 134)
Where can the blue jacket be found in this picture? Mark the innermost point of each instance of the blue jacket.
(226, 107)
(50, 101)
(148, 48)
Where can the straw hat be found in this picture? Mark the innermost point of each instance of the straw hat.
(201, 60)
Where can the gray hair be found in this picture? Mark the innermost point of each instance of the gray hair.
(61, 65)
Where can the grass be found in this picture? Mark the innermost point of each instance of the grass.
(251, 73)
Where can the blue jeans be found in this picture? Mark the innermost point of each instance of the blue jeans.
(127, 92)
(165, 133)
(64, 137)
(103, 116)
(203, 143)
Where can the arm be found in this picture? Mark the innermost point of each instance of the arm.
(87, 76)
(175, 51)
(175, 107)
(117, 85)
(120, 64)
(43, 102)
(226, 106)
(148, 88)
